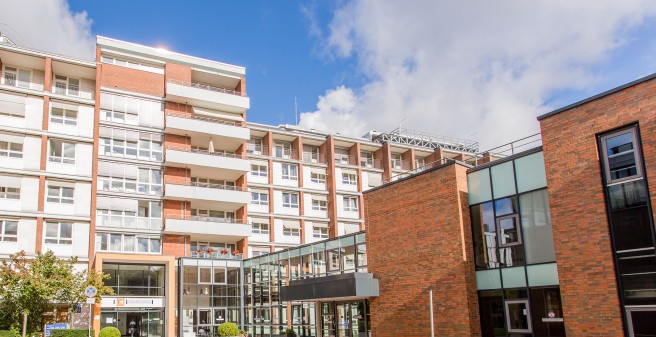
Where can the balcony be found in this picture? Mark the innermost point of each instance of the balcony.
(25, 79)
(343, 159)
(207, 164)
(398, 164)
(258, 150)
(207, 228)
(207, 96)
(211, 196)
(313, 157)
(230, 133)
(371, 163)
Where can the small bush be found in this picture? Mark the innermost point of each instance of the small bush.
(227, 329)
(110, 331)
(7, 333)
(70, 333)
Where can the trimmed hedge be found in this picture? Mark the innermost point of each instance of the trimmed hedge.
(70, 333)
(110, 331)
(7, 333)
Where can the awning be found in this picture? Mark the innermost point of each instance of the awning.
(320, 225)
(291, 224)
(350, 285)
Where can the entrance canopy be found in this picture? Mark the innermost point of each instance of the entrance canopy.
(350, 285)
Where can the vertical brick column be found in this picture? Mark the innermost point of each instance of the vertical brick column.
(385, 155)
(94, 163)
(409, 156)
(331, 185)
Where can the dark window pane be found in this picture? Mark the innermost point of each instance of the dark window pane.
(638, 276)
(644, 323)
(518, 316)
(621, 156)
(627, 195)
(512, 256)
(632, 228)
(505, 206)
(484, 232)
(492, 316)
(546, 301)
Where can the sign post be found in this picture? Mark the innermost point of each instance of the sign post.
(90, 292)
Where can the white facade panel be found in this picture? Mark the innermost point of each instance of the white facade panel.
(207, 127)
(85, 115)
(29, 194)
(278, 205)
(207, 98)
(26, 239)
(307, 178)
(82, 199)
(277, 176)
(32, 153)
(34, 113)
(10, 204)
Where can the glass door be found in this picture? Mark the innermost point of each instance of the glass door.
(642, 321)
(342, 315)
(108, 319)
(327, 319)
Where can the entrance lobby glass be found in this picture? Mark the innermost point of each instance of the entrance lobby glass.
(147, 322)
(345, 319)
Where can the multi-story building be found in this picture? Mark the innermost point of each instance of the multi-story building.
(142, 165)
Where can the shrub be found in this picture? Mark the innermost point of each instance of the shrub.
(70, 333)
(7, 333)
(227, 329)
(110, 331)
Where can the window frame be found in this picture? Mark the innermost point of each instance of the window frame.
(66, 81)
(4, 237)
(9, 152)
(260, 228)
(61, 240)
(66, 118)
(528, 315)
(259, 199)
(319, 206)
(290, 203)
(259, 170)
(289, 171)
(60, 196)
(518, 225)
(292, 232)
(317, 232)
(350, 207)
(5, 193)
(316, 178)
(637, 155)
(349, 178)
(61, 145)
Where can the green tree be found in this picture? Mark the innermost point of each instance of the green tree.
(34, 284)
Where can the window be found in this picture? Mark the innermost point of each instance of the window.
(349, 179)
(518, 316)
(61, 152)
(351, 204)
(255, 146)
(311, 153)
(60, 194)
(396, 161)
(9, 193)
(212, 183)
(11, 150)
(366, 159)
(259, 198)
(318, 178)
(9, 230)
(260, 227)
(59, 233)
(289, 200)
(121, 213)
(509, 231)
(259, 170)
(141, 145)
(66, 86)
(319, 204)
(17, 77)
(621, 156)
(289, 172)
(283, 150)
(63, 116)
(213, 215)
(150, 181)
(420, 162)
(320, 232)
(132, 64)
(288, 231)
(116, 242)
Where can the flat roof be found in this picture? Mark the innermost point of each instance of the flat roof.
(605, 93)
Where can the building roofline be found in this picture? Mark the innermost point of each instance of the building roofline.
(152, 52)
(53, 56)
(505, 159)
(435, 168)
(605, 93)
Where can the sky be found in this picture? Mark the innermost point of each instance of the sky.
(481, 70)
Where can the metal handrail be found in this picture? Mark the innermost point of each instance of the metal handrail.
(511, 148)
(371, 162)
(313, 157)
(286, 154)
(32, 79)
(186, 148)
(184, 182)
(216, 255)
(262, 149)
(204, 86)
(204, 218)
(204, 119)
(418, 169)
(351, 160)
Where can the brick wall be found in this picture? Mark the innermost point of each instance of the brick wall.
(176, 245)
(177, 72)
(576, 196)
(418, 241)
(132, 80)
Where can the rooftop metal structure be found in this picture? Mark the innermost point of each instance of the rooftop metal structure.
(416, 138)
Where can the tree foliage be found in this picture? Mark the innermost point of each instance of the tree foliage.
(33, 284)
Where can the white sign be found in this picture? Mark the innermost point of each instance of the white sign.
(91, 300)
(132, 302)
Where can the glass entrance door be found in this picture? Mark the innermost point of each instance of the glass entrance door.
(345, 319)
(642, 321)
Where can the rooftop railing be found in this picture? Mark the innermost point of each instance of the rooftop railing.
(204, 86)
(511, 148)
(186, 148)
(204, 119)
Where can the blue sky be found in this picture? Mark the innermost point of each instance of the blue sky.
(270, 38)
(481, 70)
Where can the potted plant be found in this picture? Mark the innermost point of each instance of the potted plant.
(199, 251)
(224, 251)
(210, 251)
(228, 329)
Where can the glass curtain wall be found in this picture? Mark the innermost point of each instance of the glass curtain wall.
(514, 253)
(265, 314)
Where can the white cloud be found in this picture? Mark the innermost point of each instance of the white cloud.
(455, 67)
(48, 25)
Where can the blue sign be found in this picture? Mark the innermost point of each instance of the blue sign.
(55, 326)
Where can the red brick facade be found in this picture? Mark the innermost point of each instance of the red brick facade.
(421, 241)
(144, 82)
(576, 195)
